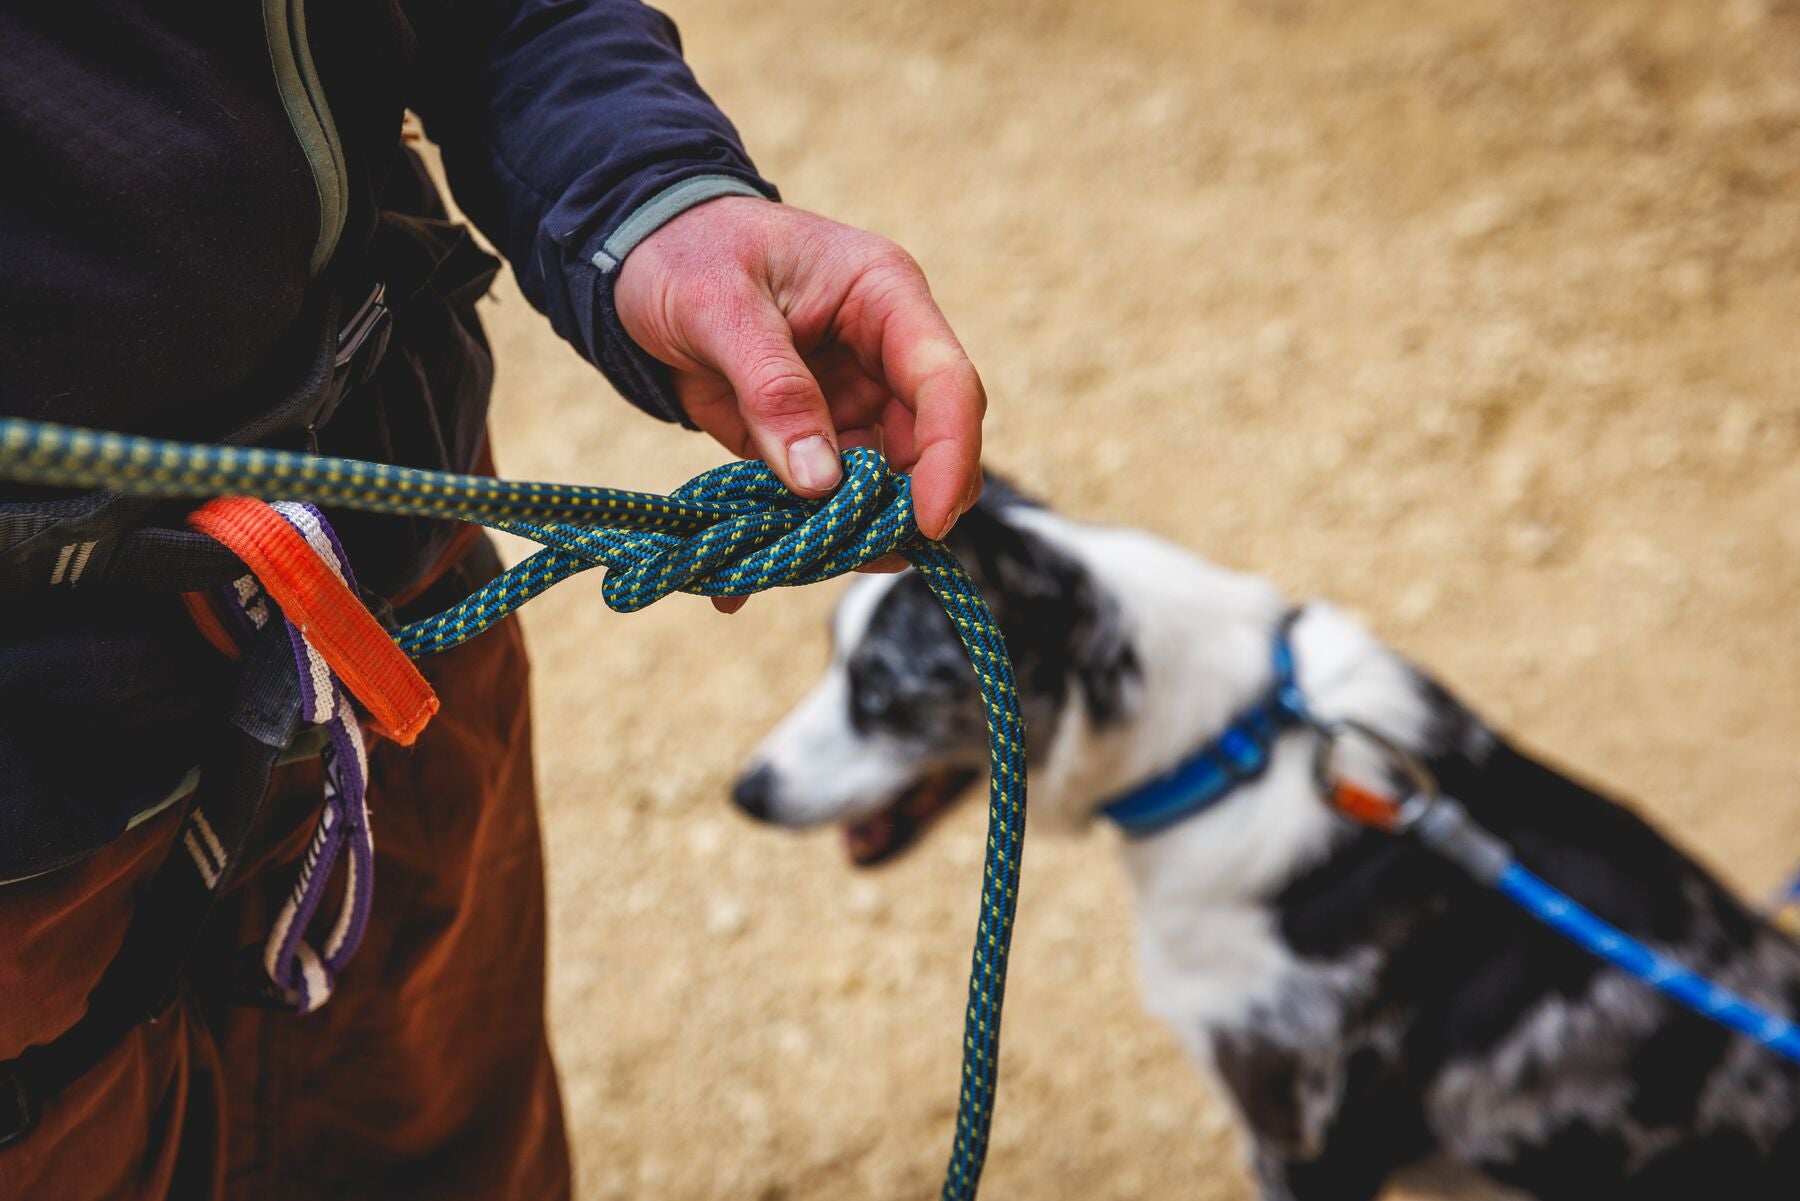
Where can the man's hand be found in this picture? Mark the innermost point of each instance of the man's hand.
(792, 336)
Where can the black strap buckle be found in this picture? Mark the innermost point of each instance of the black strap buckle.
(362, 340)
(18, 1111)
(366, 328)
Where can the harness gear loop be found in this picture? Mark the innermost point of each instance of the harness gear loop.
(313, 593)
(295, 974)
(731, 531)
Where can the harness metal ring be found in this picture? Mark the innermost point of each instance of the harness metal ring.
(1422, 786)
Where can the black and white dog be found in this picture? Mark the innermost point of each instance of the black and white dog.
(1373, 1013)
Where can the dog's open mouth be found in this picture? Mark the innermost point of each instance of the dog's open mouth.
(883, 835)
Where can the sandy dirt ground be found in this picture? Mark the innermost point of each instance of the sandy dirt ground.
(1478, 318)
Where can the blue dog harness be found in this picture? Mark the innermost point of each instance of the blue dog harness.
(1238, 755)
(1242, 753)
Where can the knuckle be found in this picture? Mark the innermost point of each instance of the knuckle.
(783, 389)
(978, 394)
(899, 271)
(888, 254)
(883, 263)
(945, 366)
(903, 262)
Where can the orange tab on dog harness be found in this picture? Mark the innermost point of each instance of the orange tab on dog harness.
(1362, 805)
(332, 618)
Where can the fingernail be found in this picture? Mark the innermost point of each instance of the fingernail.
(813, 463)
(950, 521)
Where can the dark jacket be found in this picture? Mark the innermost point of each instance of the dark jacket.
(161, 215)
(198, 193)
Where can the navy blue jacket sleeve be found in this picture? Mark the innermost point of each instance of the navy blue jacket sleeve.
(571, 130)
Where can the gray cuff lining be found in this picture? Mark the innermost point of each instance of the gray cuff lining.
(662, 208)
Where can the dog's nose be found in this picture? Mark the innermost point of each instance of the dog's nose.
(754, 793)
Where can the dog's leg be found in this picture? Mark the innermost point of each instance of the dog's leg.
(1328, 1178)
(1270, 1170)
(1325, 1123)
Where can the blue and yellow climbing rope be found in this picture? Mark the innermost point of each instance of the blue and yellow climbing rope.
(731, 531)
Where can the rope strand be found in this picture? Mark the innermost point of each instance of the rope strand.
(732, 531)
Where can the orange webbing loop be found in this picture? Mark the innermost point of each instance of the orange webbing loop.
(343, 632)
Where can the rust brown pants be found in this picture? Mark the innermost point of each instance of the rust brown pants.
(427, 1074)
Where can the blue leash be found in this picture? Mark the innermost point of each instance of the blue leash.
(1242, 752)
(732, 531)
(1599, 937)
(1446, 827)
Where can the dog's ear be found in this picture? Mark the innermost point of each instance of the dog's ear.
(1059, 623)
(1105, 659)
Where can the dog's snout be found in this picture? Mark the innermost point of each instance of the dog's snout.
(754, 793)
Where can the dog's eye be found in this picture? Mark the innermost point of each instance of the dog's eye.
(878, 696)
(871, 700)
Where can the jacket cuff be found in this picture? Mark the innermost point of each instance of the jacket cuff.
(643, 379)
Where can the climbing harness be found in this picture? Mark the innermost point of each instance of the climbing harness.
(731, 531)
(1440, 822)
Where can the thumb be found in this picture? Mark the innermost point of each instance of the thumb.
(779, 401)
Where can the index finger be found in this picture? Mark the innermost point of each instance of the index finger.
(929, 372)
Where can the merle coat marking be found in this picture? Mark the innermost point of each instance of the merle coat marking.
(1372, 1013)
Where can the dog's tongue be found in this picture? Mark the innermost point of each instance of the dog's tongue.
(877, 839)
(881, 837)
